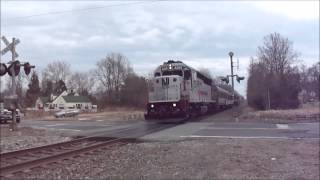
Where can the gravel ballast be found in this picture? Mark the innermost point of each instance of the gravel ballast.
(26, 137)
(196, 159)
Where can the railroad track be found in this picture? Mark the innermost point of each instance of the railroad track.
(24, 160)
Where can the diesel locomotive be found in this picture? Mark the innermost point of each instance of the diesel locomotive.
(178, 91)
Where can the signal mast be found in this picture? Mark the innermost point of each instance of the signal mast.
(13, 70)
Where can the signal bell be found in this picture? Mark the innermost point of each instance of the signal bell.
(15, 68)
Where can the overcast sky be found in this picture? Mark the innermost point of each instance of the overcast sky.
(148, 33)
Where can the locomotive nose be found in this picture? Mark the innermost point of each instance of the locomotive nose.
(165, 88)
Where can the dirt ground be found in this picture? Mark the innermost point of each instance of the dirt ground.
(197, 159)
(26, 138)
(207, 158)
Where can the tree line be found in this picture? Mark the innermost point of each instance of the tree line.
(112, 82)
(275, 81)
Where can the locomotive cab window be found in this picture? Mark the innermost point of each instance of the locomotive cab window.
(187, 75)
(204, 79)
(174, 72)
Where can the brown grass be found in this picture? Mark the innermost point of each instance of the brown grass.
(120, 108)
(308, 112)
(37, 114)
(111, 112)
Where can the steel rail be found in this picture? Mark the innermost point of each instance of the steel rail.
(53, 149)
(44, 147)
(68, 153)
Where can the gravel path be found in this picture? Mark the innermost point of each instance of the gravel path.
(196, 159)
(27, 138)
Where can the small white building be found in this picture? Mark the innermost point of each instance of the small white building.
(65, 101)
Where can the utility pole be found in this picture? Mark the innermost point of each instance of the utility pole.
(14, 123)
(232, 83)
(268, 99)
(238, 78)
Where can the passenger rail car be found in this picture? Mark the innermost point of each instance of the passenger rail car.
(179, 91)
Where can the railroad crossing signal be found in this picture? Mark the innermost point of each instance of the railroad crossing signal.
(225, 79)
(14, 68)
(239, 79)
(3, 69)
(27, 68)
(9, 46)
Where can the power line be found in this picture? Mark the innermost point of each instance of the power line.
(83, 9)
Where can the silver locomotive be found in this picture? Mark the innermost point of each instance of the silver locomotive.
(179, 91)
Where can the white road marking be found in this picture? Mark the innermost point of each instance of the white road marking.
(238, 128)
(54, 129)
(70, 129)
(282, 126)
(51, 125)
(99, 120)
(244, 137)
(83, 119)
(40, 127)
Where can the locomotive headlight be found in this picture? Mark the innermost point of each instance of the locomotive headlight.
(174, 104)
(152, 106)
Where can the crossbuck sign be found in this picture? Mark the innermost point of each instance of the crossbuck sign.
(9, 46)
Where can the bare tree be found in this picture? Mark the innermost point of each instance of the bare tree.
(273, 81)
(256, 92)
(20, 90)
(111, 73)
(33, 91)
(20, 87)
(134, 91)
(46, 87)
(81, 82)
(277, 53)
(310, 82)
(55, 71)
(6, 86)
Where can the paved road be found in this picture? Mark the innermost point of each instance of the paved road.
(81, 128)
(186, 130)
(238, 130)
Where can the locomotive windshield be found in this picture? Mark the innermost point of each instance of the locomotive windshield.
(173, 72)
(187, 75)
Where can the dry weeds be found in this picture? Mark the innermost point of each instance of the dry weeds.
(308, 112)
